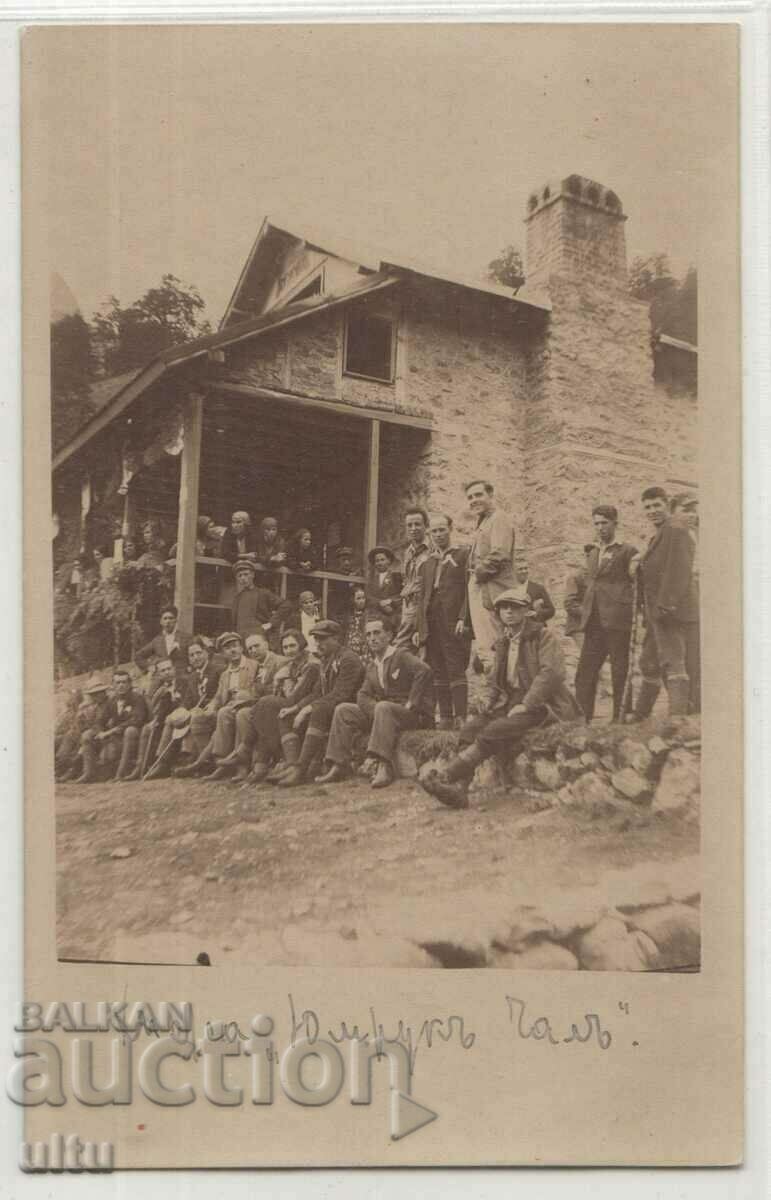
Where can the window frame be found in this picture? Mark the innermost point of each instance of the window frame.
(392, 321)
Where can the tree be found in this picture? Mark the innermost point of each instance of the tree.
(72, 366)
(672, 302)
(127, 338)
(507, 269)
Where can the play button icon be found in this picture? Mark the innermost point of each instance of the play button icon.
(407, 1115)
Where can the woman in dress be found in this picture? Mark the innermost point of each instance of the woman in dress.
(355, 624)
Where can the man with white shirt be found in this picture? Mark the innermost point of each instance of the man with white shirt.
(541, 605)
(396, 695)
(606, 612)
(490, 566)
(169, 643)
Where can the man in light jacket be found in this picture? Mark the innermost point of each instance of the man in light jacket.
(490, 565)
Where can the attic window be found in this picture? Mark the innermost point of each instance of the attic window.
(369, 347)
(312, 289)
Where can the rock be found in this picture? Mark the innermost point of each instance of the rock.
(590, 760)
(679, 786)
(676, 930)
(634, 754)
(542, 955)
(522, 770)
(657, 746)
(121, 852)
(608, 762)
(525, 921)
(629, 783)
(592, 794)
(547, 774)
(610, 946)
(571, 768)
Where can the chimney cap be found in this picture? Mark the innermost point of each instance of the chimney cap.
(580, 190)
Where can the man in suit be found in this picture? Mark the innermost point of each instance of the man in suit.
(169, 643)
(253, 607)
(416, 553)
(525, 688)
(234, 691)
(169, 691)
(268, 663)
(342, 673)
(490, 566)
(443, 625)
(541, 606)
(396, 695)
(205, 673)
(384, 585)
(671, 607)
(114, 742)
(606, 612)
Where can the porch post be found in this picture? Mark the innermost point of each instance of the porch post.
(373, 490)
(187, 528)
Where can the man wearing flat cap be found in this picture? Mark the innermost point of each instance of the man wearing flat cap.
(235, 689)
(606, 612)
(253, 607)
(342, 673)
(526, 688)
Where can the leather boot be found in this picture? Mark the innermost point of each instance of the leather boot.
(259, 771)
(384, 775)
(297, 773)
(678, 689)
(334, 774)
(646, 698)
(368, 767)
(204, 759)
(217, 774)
(450, 784)
(279, 769)
(238, 758)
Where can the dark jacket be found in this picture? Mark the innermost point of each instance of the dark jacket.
(341, 678)
(265, 552)
(541, 671)
(253, 608)
(135, 712)
(163, 699)
(303, 679)
(407, 678)
(229, 545)
(668, 584)
(447, 602)
(536, 591)
(203, 688)
(295, 557)
(609, 588)
(389, 589)
(155, 650)
(575, 590)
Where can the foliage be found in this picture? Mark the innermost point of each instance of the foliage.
(673, 302)
(507, 269)
(72, 366)
(125, 339)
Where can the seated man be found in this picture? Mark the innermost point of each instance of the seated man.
(526, 688)
(253, 607)
(235, 689)
(342, 673)
(113, 741)
(268, 663)
(169, 643)
(168, 692)
(396, 695)
(87, 715)
(204, 678)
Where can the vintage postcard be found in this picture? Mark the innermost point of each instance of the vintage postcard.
(383, 596)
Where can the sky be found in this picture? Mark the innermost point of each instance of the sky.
(164, 148)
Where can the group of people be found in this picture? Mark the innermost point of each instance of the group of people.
(285, 697)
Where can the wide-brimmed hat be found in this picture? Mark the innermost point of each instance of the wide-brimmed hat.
(95, 687)
(327, 629)
(512, 597)
(225, 639)
(180, 720)
(341, 550)
(244, 564)
(381, 550)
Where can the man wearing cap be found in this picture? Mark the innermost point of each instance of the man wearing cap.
(418, 550)
(442, 623)
(342, 673)
(671, 604)
(114, 742)
(253, 607)
(89, 715)
(606, 612)
(344, 564)
(396, 695)
(526, 687)
(384, 585)
(235, 689)
(168, 644)
(268, 663)
(239, 540)
(490, 566)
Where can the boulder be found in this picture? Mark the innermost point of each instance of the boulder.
(636, 755)
(591, 794)
(676, 930)
(632, 785)
(679, 785)
(547, 774)
(610, 946)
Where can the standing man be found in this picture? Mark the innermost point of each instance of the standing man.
(490, 565)
(526, 688)
(253, 607)
(169, 643)
(342, 673)
(443, 625)
(395, 695)
(575, 590)
(606, 612)
(541, 606)
(418, 550)
(685, 508)
(671, 607)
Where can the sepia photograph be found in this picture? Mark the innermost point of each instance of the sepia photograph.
(375, 482)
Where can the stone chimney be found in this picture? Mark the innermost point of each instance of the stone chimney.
(575, 228)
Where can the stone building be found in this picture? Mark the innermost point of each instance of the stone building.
(340, 387)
